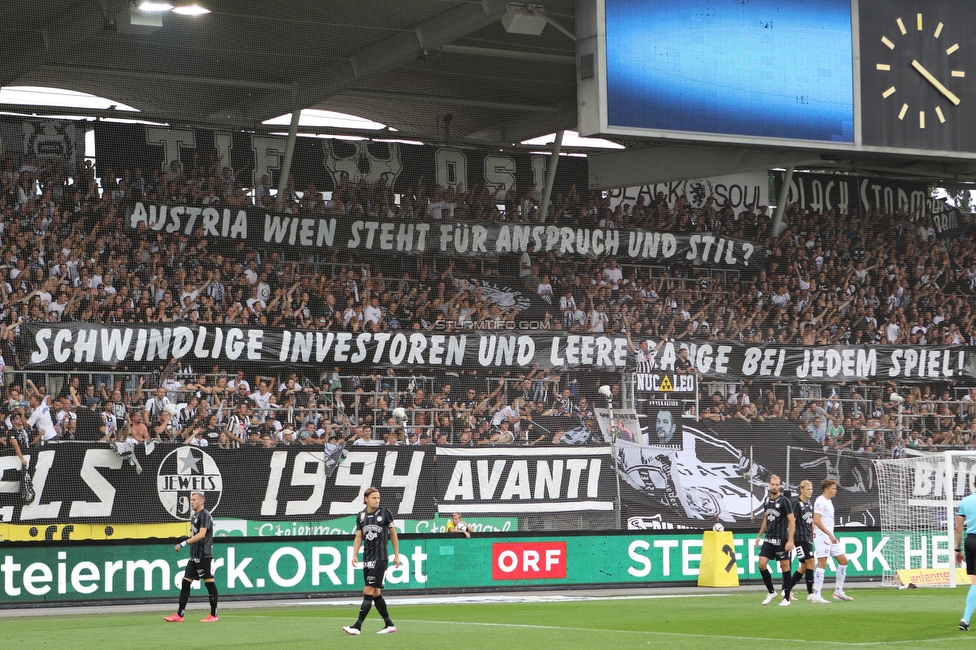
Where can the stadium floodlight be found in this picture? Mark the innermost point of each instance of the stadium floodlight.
(148, 5)
(191, 10)
(521, 19)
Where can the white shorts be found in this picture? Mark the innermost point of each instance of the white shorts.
(822, 547)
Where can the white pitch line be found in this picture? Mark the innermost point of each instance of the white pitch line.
(485, 600)
(725, 637)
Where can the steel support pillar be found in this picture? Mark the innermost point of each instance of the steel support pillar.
(781, 204)
(296, 115)
(557, 146)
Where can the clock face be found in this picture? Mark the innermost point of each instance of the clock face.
(917, 73)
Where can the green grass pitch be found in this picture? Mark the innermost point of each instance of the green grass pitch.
(876, 618)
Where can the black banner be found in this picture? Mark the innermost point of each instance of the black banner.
(326, 162)
(91, 345)
(719, 472)
(92, 483)
(819, 193)
(701, 476)
(949, 224)
(84, 344)
(260, 228)
(525, 480)
(818, 364)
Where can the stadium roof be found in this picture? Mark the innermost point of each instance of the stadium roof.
(432, 69)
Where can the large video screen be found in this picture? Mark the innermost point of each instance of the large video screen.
(764, 68)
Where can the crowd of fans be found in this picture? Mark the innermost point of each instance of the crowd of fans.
(232, 411)
(67, 255)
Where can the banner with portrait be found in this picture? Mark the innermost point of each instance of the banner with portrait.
(620, 424)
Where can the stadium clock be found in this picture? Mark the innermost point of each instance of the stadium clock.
(927, 102)
(916, 69)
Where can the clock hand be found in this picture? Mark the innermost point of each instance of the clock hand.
(935, 82)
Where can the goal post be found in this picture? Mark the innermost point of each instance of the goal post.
(918, 500)
(950, 456)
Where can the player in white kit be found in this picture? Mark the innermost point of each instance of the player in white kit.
(826, 545)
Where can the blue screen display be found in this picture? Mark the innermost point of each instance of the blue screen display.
(770, 68)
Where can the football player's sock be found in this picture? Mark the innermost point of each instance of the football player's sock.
(767, 579)
(363, 611)
(970, 603)
(797, 577)
(841, 575)
(809, 575)
(787, 583)
(818, 578)
(212, 590)
(184, 597)
(381, 608)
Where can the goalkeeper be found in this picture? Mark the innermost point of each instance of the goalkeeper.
(966, 517)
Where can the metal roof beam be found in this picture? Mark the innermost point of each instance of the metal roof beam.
(530, 126)
(455, 101)
(159, 76)
(57, 36)
(381, 56)
(520, 55)
(176, 121)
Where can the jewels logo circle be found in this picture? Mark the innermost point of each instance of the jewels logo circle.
(184, 471)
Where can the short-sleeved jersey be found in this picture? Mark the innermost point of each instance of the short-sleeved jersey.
(375, 527)
(825, 508)
(22, 436)
(41, 416)
(777, 520)
(967, 509)
(204, 548)
(505, 413)
(803, 513)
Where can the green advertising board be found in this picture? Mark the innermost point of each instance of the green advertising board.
(347, 526)
(34, 572)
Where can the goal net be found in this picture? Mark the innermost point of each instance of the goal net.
(918, 497)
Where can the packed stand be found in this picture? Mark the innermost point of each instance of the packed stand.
(852, 278)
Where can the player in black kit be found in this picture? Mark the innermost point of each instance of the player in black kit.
(803, 538)
(779, 525)
(201, 555)
(374, 526)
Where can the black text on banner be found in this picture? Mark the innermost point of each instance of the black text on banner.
(525, 480)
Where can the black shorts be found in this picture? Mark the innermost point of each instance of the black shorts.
(969, 551)
(774, 551)
(374, 573)
(198, 569)
(804, 551)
